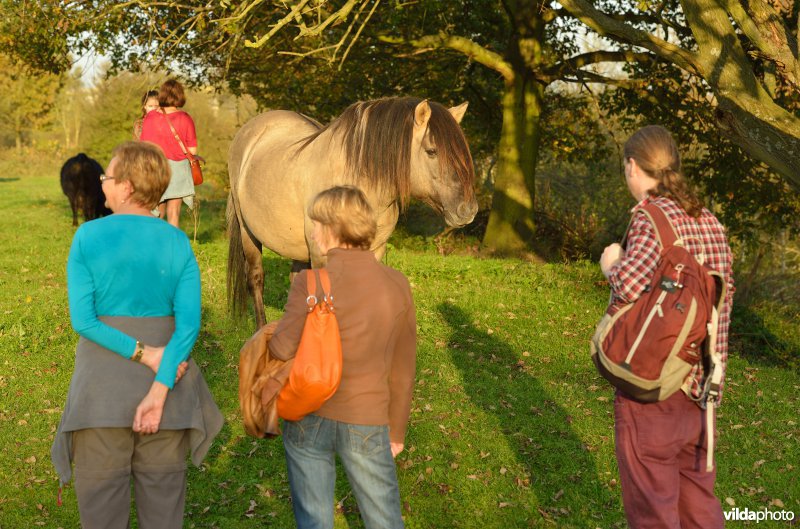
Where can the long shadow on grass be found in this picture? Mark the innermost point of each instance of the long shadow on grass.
(751, 338)
(561, 470)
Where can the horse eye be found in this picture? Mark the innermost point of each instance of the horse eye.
(431, 152)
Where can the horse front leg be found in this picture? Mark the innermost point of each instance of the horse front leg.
(255, 275)
(387, 220)
(297, 267)
(379, 251)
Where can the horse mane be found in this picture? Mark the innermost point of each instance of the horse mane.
(376, 140)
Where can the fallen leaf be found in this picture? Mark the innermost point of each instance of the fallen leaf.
(730, 501)
(251, 511)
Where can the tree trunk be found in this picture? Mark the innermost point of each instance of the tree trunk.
(511, 227)
(18, 135)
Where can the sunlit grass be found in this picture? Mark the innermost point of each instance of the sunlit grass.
(511, 426)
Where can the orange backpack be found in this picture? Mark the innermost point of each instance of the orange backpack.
(317, 368)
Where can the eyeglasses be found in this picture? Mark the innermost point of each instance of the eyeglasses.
(104, 177)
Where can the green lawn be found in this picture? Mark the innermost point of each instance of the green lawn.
(511, 426)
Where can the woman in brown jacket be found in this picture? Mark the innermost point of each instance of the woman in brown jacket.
(365, 421)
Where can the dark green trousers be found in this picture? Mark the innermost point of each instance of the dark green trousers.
(106, 459)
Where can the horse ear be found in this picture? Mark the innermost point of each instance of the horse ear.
(459, 111)
(422, 114)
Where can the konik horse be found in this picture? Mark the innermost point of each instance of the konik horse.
(392, 148)
(80, 181)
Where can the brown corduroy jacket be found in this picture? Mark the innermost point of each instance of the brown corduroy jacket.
(377, 323)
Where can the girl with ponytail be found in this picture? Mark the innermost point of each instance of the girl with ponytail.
(654, 151)
(665, 482)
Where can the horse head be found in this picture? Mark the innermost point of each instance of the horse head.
(441, 170)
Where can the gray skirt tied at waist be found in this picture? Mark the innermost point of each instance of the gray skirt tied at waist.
(106, 389)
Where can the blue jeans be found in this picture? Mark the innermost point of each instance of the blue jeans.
(311, 445)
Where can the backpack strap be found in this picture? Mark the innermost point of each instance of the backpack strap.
(666, 233)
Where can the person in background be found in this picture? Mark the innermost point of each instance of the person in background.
(149, 102)
(156, 128)
(136, 403)
(661, 446)
(365, 421)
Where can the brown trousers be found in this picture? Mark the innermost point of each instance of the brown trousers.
(661, 452)
(105, 461)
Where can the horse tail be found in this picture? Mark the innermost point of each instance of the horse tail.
(237, 276)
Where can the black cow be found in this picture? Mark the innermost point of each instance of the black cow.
(80, 181)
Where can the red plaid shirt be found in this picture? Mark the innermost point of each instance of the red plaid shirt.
(702, 236)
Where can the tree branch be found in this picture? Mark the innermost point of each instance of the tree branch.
(466, 46)
(647, 18)
(594, 57)
(574, 64)
(765, 30)
(340, 14)
(585, 76)
(358, 33)
(296, 10)
(243, 13)
(607, 26)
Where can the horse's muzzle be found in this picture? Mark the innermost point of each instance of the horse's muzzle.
(464, 214)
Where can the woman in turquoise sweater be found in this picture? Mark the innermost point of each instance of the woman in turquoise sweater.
(136, 402)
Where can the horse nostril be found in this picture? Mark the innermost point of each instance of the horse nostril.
(467, 210)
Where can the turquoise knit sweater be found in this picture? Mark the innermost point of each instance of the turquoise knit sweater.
(132, 265)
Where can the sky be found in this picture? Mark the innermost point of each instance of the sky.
(91, 64)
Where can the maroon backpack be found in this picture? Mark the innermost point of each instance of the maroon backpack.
(648, 347)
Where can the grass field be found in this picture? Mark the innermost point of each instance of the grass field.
(511, 426)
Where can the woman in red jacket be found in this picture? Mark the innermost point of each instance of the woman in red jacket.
(173, 130)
